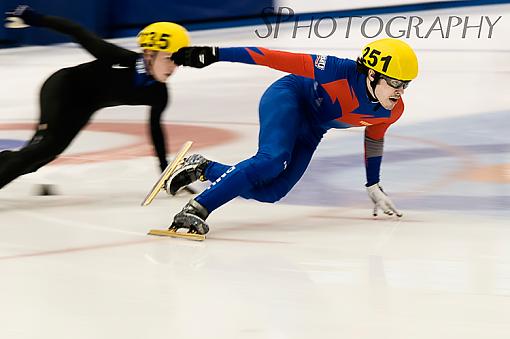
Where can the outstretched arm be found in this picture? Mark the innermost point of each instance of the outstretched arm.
(374, 144)
(295, 63)
(24, 16)
(373, 159)
(322, 68)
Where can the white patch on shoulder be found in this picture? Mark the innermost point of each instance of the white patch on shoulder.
(140, 66)
(320, 62)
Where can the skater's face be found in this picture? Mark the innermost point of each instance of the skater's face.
(160, 65)
(387, 95)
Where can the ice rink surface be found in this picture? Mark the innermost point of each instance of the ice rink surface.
(315, 265)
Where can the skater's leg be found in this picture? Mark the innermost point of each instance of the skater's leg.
(280, 117)
(30, 158)
(43, 148)
(189, 173)
(280, 121)
(195, 167)
(281, 185)
(214, 170)
(58, 125)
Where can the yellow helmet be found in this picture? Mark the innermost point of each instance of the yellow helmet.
(163, 36)
(391, 57)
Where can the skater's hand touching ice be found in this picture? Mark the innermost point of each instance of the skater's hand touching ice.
(21, 17)
(381, 201)
(198, 56)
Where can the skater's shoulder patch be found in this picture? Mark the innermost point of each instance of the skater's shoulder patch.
(320, 62)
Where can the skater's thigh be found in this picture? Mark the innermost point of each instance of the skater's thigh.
(61, 108)
(281, 185)
(301, 157)
(51, 139)
(280, 117)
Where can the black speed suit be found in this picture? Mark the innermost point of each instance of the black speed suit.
(70, 96)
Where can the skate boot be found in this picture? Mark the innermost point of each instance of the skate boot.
(192, 217)
(191, 170)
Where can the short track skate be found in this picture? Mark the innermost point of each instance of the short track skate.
(160, 184)
(175, 234)
(167, 173)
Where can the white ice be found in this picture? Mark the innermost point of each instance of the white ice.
(316, 265)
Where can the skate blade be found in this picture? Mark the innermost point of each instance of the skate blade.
(174, 234)
(167, 173)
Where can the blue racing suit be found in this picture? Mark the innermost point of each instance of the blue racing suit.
(322, 92)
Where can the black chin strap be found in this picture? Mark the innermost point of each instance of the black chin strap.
(150, 62)
(373, 83)
(373, 98)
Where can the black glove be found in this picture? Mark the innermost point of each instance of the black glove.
(197, 57)
(21, 17)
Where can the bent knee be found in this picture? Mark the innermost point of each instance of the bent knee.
(276, 161)
(270, 194)
(45, 146)
(265, 167)
(272, 198)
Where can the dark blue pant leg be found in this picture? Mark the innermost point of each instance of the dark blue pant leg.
(282, 184)
(280, 120)
(215, 170)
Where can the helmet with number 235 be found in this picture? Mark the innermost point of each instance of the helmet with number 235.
(163, 36)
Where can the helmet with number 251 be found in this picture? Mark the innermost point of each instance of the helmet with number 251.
(163, 36)
(391, 57)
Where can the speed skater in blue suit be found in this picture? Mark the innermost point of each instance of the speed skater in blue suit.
(320, 93)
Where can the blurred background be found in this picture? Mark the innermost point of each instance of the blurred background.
(78, 264)
(121, 18)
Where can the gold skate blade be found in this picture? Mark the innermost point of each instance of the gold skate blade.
(167, 173)
(174, 234)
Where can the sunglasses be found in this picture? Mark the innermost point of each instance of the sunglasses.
(395, 83)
